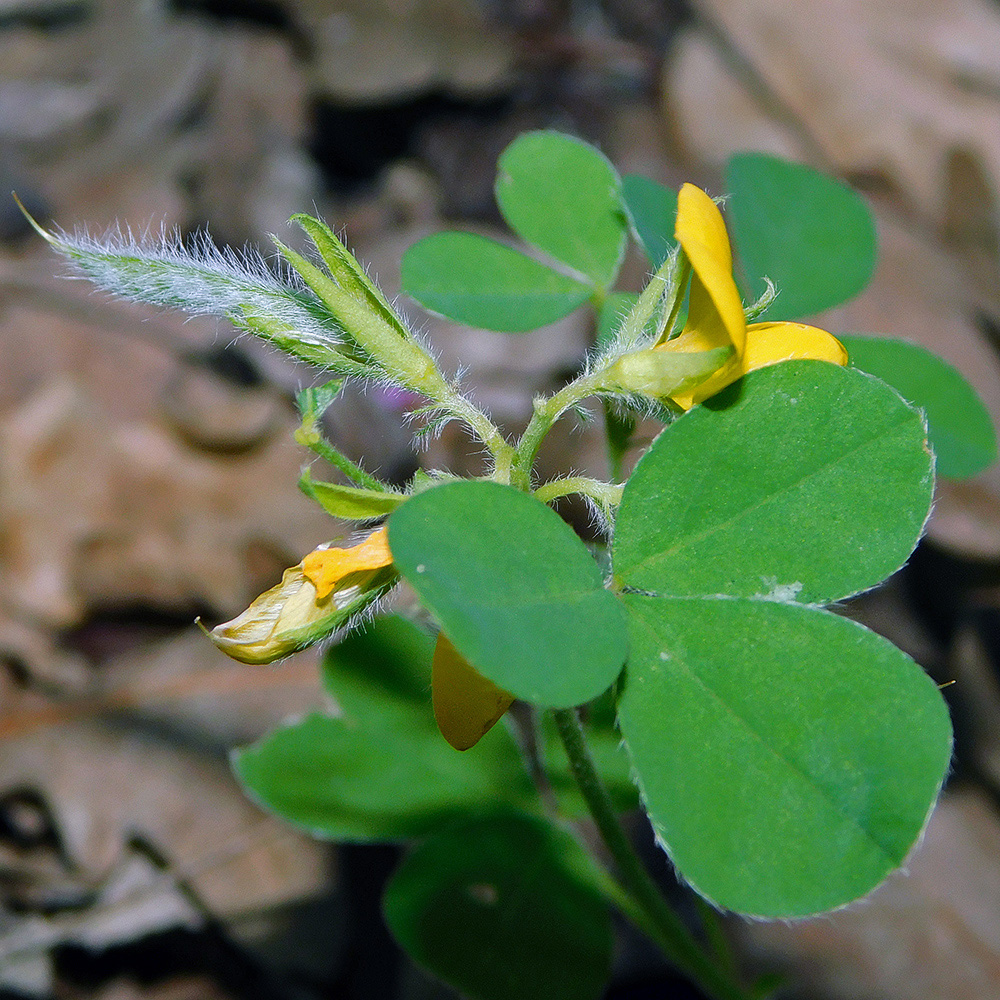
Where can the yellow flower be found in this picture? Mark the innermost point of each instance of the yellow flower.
(326, 568)
(715, 314)
(321, 594)
(466, 704)
(313, 599)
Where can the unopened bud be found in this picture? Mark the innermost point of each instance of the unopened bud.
(321, 594)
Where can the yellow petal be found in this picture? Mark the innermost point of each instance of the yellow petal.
(325, 568)
(295, 613)
(715, 312)
(273, 626)
(466, 704)
(767, 344)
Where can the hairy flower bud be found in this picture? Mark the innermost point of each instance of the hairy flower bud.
(323, 593)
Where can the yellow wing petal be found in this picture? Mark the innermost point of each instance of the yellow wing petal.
(769, 343)
(716, 382)
(466, 704)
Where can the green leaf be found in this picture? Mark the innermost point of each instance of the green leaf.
(380, 671)
(811, 235)
(503, 906)
(562, 196)
(961, 430)
(513, 588)
(475, 280)
(381, 771)
(652, 208)
(349, 502)
(803, 482)
(788, 757)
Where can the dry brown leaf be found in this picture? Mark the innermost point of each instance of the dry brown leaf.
(131, 476)
(185, 987)
(887, 88)
(713, 111)
(106, 499)
(134, 782)
(246, 167)
(71, 101)
(369, 52)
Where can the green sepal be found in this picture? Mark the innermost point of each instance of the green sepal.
(397, 354)
(352, 503)
(287, 338)
(314, 401)
(660, 374)
(346, 270)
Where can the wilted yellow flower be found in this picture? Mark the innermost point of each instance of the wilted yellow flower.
(715, 314)
(313, 599)
(466, 704)
(326, 568)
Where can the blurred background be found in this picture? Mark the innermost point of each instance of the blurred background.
(148, 474)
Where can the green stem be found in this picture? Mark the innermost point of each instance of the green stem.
(606, 494)
(481, 425)
(618, 431)
(669, 280)
(317, 443)
(547, 412)
(715, 935)
(633, 329)
(658, 920)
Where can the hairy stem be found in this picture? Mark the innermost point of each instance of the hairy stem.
(480, 425)
(606, 494)
(658, 919)
(317, 443)
(546, 413)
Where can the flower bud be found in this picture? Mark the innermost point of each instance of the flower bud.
(321, 594)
